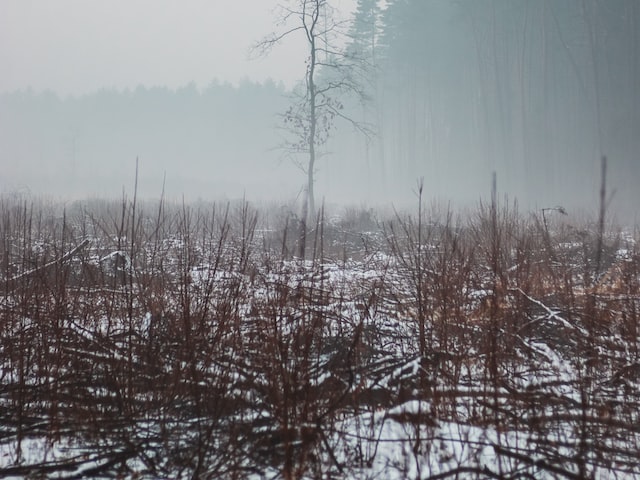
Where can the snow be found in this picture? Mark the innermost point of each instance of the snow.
(228, 363)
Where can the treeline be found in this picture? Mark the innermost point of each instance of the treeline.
(536, 90)
(205, 141)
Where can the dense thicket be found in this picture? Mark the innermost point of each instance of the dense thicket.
(164, 341)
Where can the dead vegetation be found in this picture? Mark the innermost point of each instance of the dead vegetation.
(184, 341)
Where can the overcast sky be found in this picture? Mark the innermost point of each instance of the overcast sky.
(79, 46)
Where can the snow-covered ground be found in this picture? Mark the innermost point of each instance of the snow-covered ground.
(192, 344)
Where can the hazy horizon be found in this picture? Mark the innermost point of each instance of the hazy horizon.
(535, 91)
(78, 47)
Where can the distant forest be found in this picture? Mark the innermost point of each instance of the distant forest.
(535, 90)
(201, 140)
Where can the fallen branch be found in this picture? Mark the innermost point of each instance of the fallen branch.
(550, 313)
(46, 266)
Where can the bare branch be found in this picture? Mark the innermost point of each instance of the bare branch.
(265, 46)
(310, 120)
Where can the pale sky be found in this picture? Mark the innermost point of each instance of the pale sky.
(79, 46)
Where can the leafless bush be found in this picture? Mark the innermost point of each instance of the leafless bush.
(164, 340)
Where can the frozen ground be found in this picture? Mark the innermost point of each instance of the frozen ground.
(191, 343)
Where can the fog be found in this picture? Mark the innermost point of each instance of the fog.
(536, 91)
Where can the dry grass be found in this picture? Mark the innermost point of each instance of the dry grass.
(188, 341)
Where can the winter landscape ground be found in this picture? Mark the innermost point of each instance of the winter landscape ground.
(158, 340)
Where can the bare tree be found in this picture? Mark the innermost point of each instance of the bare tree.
(331, 75)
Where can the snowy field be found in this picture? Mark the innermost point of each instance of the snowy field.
(171, 341)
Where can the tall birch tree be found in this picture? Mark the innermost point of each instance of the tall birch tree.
(330, 75)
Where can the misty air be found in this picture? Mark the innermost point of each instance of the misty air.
(297, 239)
